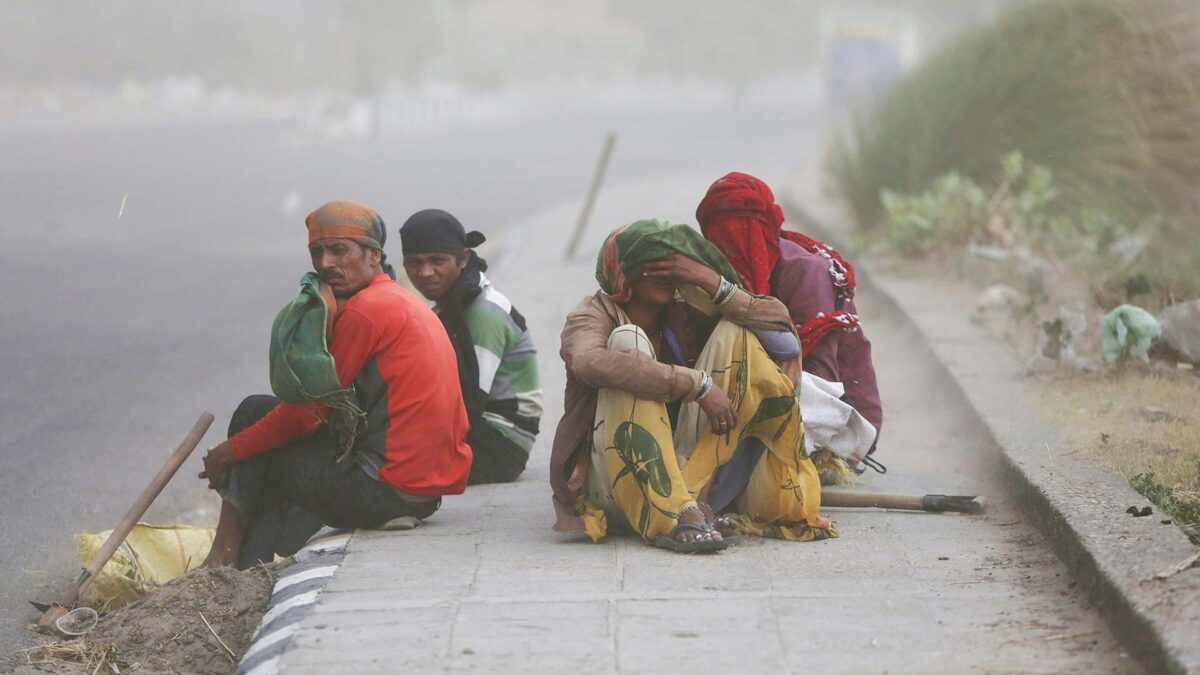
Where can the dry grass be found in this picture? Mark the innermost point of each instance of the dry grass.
(1133, 420)
(81, 656)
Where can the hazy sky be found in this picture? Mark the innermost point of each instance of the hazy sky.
(280, 45)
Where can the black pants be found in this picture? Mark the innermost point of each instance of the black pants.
(496, 459)
(285, 495)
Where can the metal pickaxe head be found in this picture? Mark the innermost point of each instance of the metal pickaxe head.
(959, 503)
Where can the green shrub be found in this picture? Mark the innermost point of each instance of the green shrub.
(1104, 96)
(955, 211)
(946, 213)
(1018, 218)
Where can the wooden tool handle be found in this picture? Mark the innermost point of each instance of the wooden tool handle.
(879, 500)
(148, 495)
(867, 500)
(71, 596)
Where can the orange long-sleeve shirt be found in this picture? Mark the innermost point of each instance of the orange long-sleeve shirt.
(395, 351)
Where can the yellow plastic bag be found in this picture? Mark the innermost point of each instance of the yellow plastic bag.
(150, 556)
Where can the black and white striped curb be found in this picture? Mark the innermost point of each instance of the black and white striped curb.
(293, 598)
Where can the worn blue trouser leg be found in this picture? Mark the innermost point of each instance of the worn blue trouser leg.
(733, 476)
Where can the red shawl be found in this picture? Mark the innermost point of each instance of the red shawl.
(740, 216)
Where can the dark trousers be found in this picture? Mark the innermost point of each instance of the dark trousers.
(495, 458)
(285, 495)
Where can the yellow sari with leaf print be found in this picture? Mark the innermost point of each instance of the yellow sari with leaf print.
(645, 472)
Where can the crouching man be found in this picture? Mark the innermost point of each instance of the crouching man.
(369, 424)
(497, 363)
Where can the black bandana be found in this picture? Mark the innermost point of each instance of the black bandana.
(435, 231)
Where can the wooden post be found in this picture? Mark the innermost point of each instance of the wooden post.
(597, 181)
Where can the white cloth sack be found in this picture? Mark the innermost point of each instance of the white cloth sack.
(830, 423)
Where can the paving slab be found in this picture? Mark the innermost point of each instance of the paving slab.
(486, 586)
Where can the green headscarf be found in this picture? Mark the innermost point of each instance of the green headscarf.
(628, 249)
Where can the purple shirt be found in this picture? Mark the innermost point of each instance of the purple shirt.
(801, 281)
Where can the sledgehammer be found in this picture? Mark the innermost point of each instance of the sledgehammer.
(70, 597)
(934, 503)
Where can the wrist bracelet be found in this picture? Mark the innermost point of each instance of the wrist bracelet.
(724, 292)
(706, 383)
(722, 289)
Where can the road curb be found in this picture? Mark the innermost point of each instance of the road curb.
(1078, 506)
(293, 598)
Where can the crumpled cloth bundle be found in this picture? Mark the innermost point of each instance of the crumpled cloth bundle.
(830, 423)
(1127, 332)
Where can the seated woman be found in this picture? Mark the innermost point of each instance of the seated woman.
(739, 216)
(668, 403)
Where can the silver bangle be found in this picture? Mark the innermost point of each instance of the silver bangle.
(706, 383)
(722, 288)
(724, 292)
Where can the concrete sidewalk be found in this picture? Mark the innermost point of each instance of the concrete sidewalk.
(486, 586)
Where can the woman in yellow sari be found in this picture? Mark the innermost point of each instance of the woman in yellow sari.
(670, 403)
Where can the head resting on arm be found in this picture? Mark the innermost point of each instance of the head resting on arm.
(629, 248)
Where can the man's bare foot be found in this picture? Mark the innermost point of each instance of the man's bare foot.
(227, 542)
(220, 556)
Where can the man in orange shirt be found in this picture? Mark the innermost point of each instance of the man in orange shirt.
(371, 425)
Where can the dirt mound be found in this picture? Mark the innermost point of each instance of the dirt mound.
(178, 628)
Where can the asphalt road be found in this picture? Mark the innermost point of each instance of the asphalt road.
(117, 330)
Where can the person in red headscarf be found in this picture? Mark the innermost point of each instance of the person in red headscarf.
(739, 215)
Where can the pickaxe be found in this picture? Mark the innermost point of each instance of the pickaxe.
(66, 602)
(934, 503)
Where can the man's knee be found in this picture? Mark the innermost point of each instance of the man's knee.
(496, 459)
(501, 473)
(510, 469)
(630, 338)
(252, 409)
